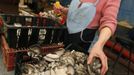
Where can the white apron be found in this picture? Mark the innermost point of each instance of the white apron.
(79, 17)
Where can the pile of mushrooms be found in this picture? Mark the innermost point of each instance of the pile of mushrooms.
(60, 62)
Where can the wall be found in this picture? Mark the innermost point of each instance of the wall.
(127, 11)
(9, 6)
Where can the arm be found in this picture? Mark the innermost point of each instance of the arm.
(64, 10)
(97, 49)
(107, 28)
(104, 35)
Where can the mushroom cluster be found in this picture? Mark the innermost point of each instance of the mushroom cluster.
(60, 62)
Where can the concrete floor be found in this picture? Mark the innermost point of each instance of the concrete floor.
(118, 70)
(3, 70)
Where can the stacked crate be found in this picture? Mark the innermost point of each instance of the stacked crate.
(14, 41)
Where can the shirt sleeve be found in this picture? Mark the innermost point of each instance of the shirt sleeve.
(109, 15)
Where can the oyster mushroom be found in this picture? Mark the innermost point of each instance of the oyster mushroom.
(28, 69)
(56, 54)
(70, 70)
(53, 56)
(34, 51)
(60, 51)
(50, 59)
(95, 66)
(52, 72)
(60, 71)
(47, 72)
(79, 57)
(90, 71)
(67, 60)
(80, 69)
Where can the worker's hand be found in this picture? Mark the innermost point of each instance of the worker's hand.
(97, 51)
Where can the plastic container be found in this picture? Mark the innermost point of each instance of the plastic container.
(24, 31)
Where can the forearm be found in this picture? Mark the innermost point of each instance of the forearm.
(104, 35)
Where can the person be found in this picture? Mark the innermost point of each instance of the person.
(87, 17)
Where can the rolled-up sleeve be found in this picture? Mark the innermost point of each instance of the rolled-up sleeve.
(109, 15)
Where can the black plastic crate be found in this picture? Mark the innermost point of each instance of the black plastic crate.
(29, 33)
(54, 31)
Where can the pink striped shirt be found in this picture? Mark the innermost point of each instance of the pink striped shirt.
(106, 15)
